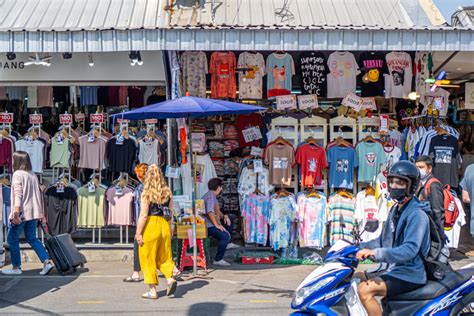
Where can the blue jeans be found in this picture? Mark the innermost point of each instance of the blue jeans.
(30, 235)
(223, 237)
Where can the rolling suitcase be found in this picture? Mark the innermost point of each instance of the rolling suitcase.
(63, 252)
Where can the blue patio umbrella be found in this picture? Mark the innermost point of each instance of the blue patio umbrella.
(188, 107)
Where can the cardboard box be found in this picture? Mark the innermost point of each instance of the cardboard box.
(182, 231)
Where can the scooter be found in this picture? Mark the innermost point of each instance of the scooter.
(330, 289)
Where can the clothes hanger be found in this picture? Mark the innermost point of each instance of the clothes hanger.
(344, 193)
(313, 193)
(369, 190)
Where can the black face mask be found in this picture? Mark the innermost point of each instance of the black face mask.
(398, 195)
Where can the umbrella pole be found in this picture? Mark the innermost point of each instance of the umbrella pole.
(192, 162)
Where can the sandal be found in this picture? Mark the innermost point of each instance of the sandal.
(171, 288)
(149, 296)
(132, 280)
(178, 276)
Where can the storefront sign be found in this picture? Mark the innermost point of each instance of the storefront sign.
(6, 118)
(384, 124)
(309, 101)
(199, 141)
(151, 121)
(97, 118)
(368, 104)
(80, 117)
(469, 97)
(353, 101)
(36, 118)
(286, 102)
(65, 119)
(256, 152)
(251, 134)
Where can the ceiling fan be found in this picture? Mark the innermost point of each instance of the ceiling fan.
(440, 81)
(40, 61)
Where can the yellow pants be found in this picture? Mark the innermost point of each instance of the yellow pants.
(156, 250)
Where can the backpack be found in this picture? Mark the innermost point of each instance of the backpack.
(436, 262)
(451, 211)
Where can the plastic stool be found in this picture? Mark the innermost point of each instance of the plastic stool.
(187, 260)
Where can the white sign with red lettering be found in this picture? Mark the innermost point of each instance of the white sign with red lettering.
(6, 117)
(65, 119)
(309, 101)
(36, 118)
(97, 118)
(151, 121)
(384, 124)
(286, 102)
(353, 101)
(80, 117)
(368, 104)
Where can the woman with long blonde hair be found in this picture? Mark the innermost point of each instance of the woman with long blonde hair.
(154, 232)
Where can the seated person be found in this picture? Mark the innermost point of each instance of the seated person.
(214, 216)
(404, 237)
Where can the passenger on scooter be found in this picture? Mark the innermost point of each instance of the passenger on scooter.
(405, 237)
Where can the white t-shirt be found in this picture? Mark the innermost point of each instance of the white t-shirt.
(148, 152)
(393, 155)
(454, 234)
(343, 70)
(398, 81)
(32, 97)
(438, 99)
(251, 81)
(367, 208)
(35, 151)
(421, 72)
(396, 138)
(206, 171)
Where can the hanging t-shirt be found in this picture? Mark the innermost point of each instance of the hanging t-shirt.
(438, 100)
(341, 215)
(205, 171)
(422, 68)
(120, 206)
(393, 155)
(282, 214)
(371, 157)
(222, 69)
(92, 153)
(148, 152)
(136, 96)
(280, 71)
(249, 127)
(444, 150)
(251, 81)
(60, 155)
(255, 211)
(90, 207)
(454, 233)
(384, 203)
(35, 150)
(17, 93)
(314, 72)
(400, 75)
(88, 95)
(373, 67)
(61, 210)
(342, 161)
(45, 96)
(342, 77)
(280, 158)
(367, 209)
(121, 156)
(311, 214)
(32, 97)
(194, 70)
(312, 160)
(248, 182)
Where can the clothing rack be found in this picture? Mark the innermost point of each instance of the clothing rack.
(335, 131)
(60, 170)
(368, 127)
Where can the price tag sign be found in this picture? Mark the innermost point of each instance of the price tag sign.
(172, 172)
(309, 101)
(151, 121)
(256, 152)
(251, 134)
(97, 118)
(6, 117)
(257, 166)
(65, 119)
(286, 102)
(353, 101)
(80, 117)
(60, 188)
(36, 118)
(118, 190)
(122, 121)
(91, 138)
(91, 187)
(368, 104)
(384, 124)
(59, 139)
(199, 140)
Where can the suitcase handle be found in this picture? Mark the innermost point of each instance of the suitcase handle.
(45, 229)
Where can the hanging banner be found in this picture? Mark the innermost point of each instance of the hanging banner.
(36, 118)
(469, 97)
(6, 118)
(96, 118)
(353, 101)
(309, 101)
(80, 117)
(286, 102)
(384, 124)
(368, 104)
(65, 119)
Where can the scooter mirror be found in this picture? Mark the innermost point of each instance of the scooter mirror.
(371, 226)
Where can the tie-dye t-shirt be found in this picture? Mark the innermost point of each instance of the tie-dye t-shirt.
(282, 214)
(311, 214)
(255, 211)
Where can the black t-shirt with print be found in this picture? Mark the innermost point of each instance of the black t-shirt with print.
(444, 150)
(372, 66)
(313, 74)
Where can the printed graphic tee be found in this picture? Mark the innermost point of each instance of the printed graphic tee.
(223, 75)
(312, 160)
(342, 161)
(342, 77)
(251, 81)
(371, 157)
(444, 150)
(280, 159)
(194, 69)
(400, 74)
(280, 70)
(373, 66)
(314, 71)
(438, 100)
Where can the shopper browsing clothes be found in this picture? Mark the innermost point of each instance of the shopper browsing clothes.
(154, 232)
(27, 209)
(221, 232)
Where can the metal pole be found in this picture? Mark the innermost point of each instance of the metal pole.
(193, 197)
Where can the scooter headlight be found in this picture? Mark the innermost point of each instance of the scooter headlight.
(306, 291)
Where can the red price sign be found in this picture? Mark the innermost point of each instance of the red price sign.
(65, 119)
(6, 117)
(151, 121)
(97, 118)
(120, 121)
(80, 117)
(36, 118)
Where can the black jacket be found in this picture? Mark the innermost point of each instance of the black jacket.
(436, 200)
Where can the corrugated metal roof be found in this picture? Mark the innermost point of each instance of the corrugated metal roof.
(76, 15)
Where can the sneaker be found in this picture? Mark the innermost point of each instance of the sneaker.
(232, 246)
(12, 272)
(47, 268)
(221, 263)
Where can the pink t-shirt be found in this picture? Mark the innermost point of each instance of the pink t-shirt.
(45, 96)
(92, 154)
(120, 206)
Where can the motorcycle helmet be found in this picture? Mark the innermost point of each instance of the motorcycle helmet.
(407, 171)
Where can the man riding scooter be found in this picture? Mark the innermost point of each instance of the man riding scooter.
(404, 239)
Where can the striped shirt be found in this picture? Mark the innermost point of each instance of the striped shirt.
(341, 212)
